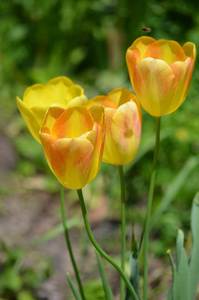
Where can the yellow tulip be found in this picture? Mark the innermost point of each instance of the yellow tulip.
(123, 125)
(72, 141)
(160, 72)
(59, 91)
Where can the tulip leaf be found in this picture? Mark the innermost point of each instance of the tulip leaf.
(134, 269)
(170, 292)
(180, 282)
(194, 258)
(186, 277)
(73, 288)
(107, 290)
(179, 246)
(181, 288)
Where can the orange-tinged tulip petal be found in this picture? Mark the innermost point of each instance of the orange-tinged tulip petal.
(97, 138)
(168, 51)
(79, 122)
(154, 83)
(70, 160)
(59, 91)
(160, 72)
(189, 50)
(123, 125)
(141, 45)
(72, 141)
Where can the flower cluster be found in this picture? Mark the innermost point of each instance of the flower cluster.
(77, 134)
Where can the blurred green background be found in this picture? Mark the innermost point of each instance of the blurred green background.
(86, 41)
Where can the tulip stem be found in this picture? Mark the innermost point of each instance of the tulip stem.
(99, 249)
(68, 243)
(149, 208)
(123, 229)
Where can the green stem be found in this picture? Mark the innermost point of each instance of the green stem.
(99, 249)
(149, 209)
(123, 229)
(68, 243)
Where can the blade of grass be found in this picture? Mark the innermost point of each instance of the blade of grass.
(107, 290)
(56, 231)
(73, 288)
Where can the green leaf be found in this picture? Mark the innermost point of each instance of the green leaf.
(107, 290)
(172, 265)
(179, 246)
(25, 295)
(180, 282)
(194, 258)
(170, 293)
(94, 290)
(171, 289)
(55, 231)
(11, 280)
(134, 268)
(73, 288)
(174, 188)
(181, 287)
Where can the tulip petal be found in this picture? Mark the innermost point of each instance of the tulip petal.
(77, 101)
(97, 137)
(154, 85)
(126, 133)
(180, 71)
(189, 50)
(120, 96)
(74, 91)
(142, 44)
(38, 95)
(160, 73)
(59, 88)
(101, 100)
(168, 51)
(70, 159)
(53, 113)
(78, 120)
(29, 118)
(58, 81)
(63, 89)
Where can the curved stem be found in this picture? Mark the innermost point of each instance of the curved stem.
(68, 243)
(99, 249)
(123, 229)
(149, 209)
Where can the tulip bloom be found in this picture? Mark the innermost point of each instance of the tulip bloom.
(72, 141)
(59, 91)
(160, 72)
(123, 125)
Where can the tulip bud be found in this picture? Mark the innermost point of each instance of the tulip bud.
(72, 141)
(123, 125)
(160, 73)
